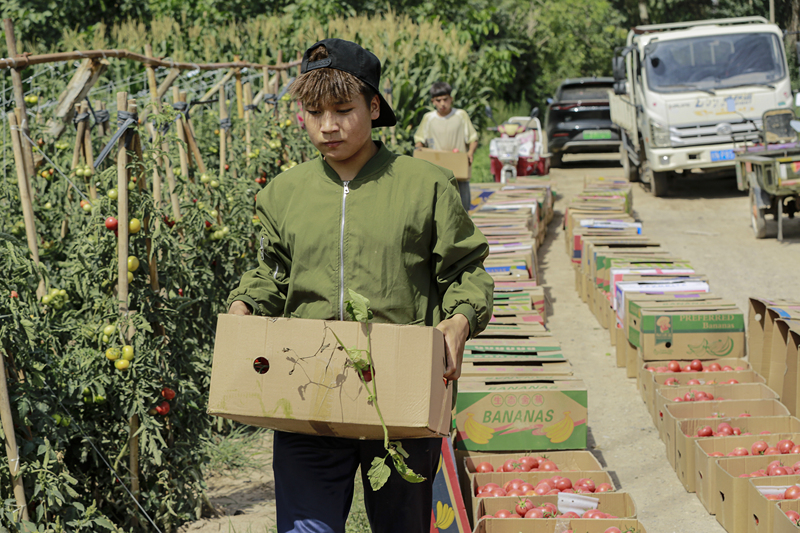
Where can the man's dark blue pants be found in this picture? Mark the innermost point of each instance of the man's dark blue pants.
(314, 479)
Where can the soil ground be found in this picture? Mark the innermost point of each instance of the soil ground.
(704, 221)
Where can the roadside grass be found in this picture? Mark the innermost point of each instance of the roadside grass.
(242, 449)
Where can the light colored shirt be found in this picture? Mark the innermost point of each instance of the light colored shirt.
(455, 131)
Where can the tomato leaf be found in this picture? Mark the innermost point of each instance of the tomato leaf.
(403, 469)
(358, 307)
(397, 445)
(378, 473)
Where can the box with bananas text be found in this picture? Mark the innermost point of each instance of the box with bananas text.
(448, 511)
(523, 414)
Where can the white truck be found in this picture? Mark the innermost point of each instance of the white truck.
(686, 94)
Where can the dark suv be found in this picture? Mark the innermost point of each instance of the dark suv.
(579, 120)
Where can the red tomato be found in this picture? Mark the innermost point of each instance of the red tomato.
(526, 488)
(536, 512)
(531, 463)
(547, 466)
(716, 454)
(604, 487)
(796, 449)
(702, 396)
(484, 467)
(111, 223)
(739, 451)
(772, 450)
(731, 382)
(778, 471)
(499, 491)
(727, 368)
(542, 489)
(693, 382)
(612, 530)
(515, 492)
(515, 484)
(570, 514)
(785, 446)
(792, 493)
(714, 367)
(162, 408)
(563, 483)
(759, 447)
(688, 397)
(550, 508)
(588, 482)
(504, 513)
(674, 366)
(705, 431)
(773, 497)
(676, 399)
(168, 393)
(671, 381)
(794, 516)
(688, 368)
(511, 466)
(696, 365)
(737, 431)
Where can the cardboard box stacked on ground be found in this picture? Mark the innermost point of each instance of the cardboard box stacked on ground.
(517, 396)
(658, 309)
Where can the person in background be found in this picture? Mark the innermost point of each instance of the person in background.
(450, 129)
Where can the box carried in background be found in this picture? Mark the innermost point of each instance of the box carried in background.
(457, 162)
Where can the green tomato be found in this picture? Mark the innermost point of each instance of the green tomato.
(34, 99)
(65, 421)
(62, 293)
(46, 299)
(226, 230)
(57, 418)
(112, 193)
(109, 330)
(201, 205)
(87, 391)
(214, 184)
(204, 178)
(131, 186)
(127, 352)
(87, 399)
(87, 207)
(122, 364)
(133, 263)
(112, 354)
(130, 277)
(99, 398)
(213, 213)
(105, 338)
(48, 205)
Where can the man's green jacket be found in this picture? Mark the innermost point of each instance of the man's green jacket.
(396, 234)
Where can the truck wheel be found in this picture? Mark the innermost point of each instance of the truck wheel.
(658, 181)
(757, 218)
(556, 160)
(629, 171)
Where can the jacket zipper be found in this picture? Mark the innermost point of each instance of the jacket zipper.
(341, 252)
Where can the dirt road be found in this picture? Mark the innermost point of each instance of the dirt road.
(705, 222)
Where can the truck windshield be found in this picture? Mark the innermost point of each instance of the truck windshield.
(708, 63)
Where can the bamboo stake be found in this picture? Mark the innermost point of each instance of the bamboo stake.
(248, 100)
(19, 96)
(105, 127)
(24, 196)
(122, 214)
(278, 84)
(134, 456)
(20, 120)
(190, 138)
(12, 452)
(151, 80)
(239, 93)
(168, 81)
(182, 155)
(77, 151)
(88, 156)
(223, 134)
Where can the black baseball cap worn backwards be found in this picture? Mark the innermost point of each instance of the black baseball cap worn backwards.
(353, 59)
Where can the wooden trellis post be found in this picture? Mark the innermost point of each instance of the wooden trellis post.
(25, 196)
(248, 101)
(19, 98)
(12, 452)
(277, 87)
(239, 92)
(77, 89)
(223, 134)
(191, 140)
(182, 155)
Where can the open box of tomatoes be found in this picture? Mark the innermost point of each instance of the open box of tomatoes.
(763, 493)
(785, 516)
(552, 525)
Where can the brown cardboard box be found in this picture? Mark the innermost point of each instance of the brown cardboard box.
(619, 504)
(760, 510)
(536, 413)
(791, 380)
(690, 334)
(645, 374)
(622, 344)
(685, 438)
(781, 522)
(486, 365)
(732, 490)
(309, 387)
(552, 525)
(674, 412)
(777, 356)
(648, 387)
(756, 318)
(772, 314)
(457, 162)
(704, 471)
(533, 478)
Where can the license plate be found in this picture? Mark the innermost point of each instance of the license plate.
(722, 155)
(597, 134)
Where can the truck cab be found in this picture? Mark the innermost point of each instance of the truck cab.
(686, 94)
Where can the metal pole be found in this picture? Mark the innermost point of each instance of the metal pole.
(772, 11)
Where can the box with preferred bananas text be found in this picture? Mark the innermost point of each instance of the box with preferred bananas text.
(524, 414)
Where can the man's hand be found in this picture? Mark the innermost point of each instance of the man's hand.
(456, 331)
(239, 308)
(470, 157)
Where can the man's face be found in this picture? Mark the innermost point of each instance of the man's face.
(443, 104)
(341, 129)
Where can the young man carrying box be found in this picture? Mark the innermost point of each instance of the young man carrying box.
(388, 227)
(448, 129)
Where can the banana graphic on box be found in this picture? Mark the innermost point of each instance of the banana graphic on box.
(444, 515)
(477, 432)
(561, 430)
